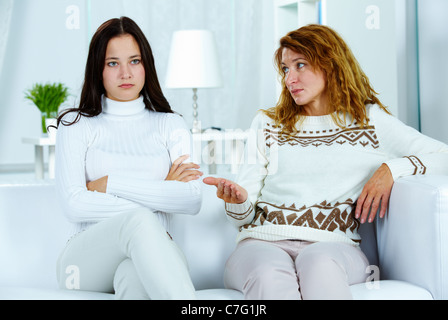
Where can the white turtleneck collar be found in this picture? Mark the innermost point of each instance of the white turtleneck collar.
(119, 108)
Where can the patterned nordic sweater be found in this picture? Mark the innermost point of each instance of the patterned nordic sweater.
(305, 186)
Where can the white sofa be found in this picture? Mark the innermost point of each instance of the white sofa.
(410, 245)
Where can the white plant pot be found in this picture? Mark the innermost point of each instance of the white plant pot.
(51, 131)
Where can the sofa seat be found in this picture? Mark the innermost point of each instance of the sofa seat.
(33, 231)
(24, 293)
(388, 290)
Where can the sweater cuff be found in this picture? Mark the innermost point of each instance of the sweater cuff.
(113, 185)
(239, 211)
(405, 166)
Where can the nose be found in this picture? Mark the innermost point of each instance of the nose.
(126, 72)
(291, 77)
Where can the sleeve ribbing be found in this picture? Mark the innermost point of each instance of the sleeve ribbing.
(167, 196)
(409, 151)
(81, 205)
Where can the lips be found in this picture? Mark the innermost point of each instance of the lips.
(296, 91)
(126, 86)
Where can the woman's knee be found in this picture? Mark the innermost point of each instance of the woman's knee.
(271, 281)
(327, 257)
(325, 270)
(141, 227)
(262, 271)
(318, 258)
(141, 221)
(127, 284)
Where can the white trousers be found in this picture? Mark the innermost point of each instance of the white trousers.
(129, 254)
(294, 270)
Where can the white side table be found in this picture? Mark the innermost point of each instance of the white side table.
(229, 143)
(39, 144)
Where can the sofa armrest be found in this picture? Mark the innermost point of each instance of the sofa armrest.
(413, 237)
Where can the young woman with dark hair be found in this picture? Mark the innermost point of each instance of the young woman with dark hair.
(327, 156)
(93, 89)
(121, 169)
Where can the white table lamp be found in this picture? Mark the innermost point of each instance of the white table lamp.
(193, 63)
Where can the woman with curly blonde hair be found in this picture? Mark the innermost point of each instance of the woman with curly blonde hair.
(327, 156)
(348, 88)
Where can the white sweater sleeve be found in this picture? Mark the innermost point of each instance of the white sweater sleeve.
(167, 196)
(409, 151)
(81, 205)
(251, 174)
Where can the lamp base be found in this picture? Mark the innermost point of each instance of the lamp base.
(196, 124)
(196, 127)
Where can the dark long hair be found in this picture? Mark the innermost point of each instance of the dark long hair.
(93, 88)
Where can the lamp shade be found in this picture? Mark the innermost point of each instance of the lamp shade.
(193, 60)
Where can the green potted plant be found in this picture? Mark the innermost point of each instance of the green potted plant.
(47, 98)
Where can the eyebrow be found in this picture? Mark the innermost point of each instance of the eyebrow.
(131, 57)
(295, 60)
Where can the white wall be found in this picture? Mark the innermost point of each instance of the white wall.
(401, 45)
(433, 48)
(380, 34)
(42, 48)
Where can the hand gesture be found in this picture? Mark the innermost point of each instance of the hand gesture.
(183, 172)
(227, 190)
(376, 190)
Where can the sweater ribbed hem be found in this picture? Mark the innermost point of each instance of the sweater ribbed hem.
(285, 232)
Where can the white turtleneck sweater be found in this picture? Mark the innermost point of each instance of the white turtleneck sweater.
(135, 148)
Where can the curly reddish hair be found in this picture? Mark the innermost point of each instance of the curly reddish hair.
(348, 88)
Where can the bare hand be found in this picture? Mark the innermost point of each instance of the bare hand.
(227, 190)
(376, 190)
(99, 185)
(184, 172)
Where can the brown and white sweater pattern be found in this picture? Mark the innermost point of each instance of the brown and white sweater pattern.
(305, 186)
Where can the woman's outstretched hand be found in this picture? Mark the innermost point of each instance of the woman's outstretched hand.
(377, 190)
(227, 190)
(183, 172)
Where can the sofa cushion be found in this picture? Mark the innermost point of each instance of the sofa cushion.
(33, 231)
(24, 293)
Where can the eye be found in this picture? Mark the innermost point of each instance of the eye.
(112, 64)
(300, 65)
(135, 61)
(285, 69)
